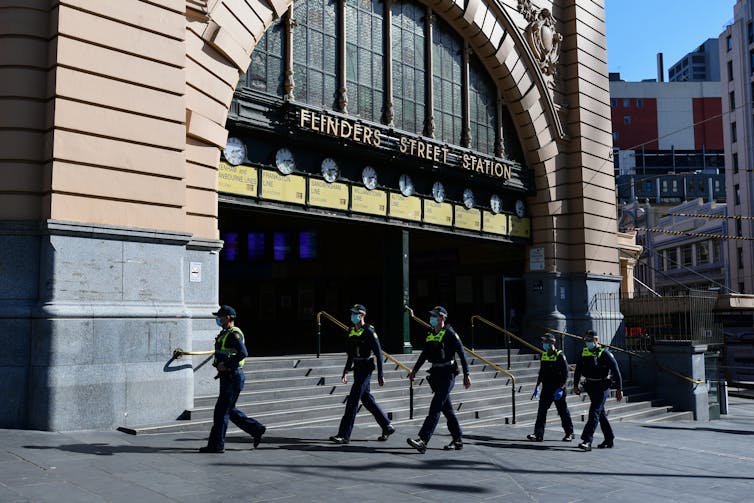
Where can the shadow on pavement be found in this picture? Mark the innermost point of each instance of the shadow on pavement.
(700, 428)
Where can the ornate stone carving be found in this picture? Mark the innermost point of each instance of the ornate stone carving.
(543, 40)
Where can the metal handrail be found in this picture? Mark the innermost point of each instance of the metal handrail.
(631, 353)
(480, 358)
(178, 353)
(505, 332)
(384, 353)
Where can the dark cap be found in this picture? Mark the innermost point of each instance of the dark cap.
(439, 311)
(549, 337)
(590, 334)
(359, 309)
(225, 311)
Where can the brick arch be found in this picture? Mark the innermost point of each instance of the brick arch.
(221, 35)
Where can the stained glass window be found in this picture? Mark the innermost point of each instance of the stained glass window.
(315, 53)
(482, 108)
(446, 75)
(267, 67)
(364, 54)
(409, 66)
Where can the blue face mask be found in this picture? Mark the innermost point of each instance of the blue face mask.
(546, 346)
(590, 344)
(355, 318)
(219, 322)
(434, 321)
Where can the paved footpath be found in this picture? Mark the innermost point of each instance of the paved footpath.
(683, 461)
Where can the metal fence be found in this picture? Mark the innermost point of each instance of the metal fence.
(686, 317)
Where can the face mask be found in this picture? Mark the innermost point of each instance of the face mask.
(590, 345)
(545, 346)
(355, 318)
(219, 322)
(434, 321)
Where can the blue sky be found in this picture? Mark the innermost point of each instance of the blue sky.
(638, 29)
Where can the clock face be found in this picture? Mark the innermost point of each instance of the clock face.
(520, 209)
(284, 161)
(369, 177)
(406, 185)
(438, 192)
(330, 170)
(468, 198)
(234, 151)
(496, 204)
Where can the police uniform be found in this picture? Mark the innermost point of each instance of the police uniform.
(231, 351)
(553, 374)
(362, 343)
(440, 349)
(597, 365)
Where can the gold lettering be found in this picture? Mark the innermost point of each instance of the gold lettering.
(465, 161)
(445, 155)
(357, 130)
(345, 129)
(420, 150)
(305, 117)
(377, 133)
(368, 135)
(316, 118)
(403, 145)
(332, 127)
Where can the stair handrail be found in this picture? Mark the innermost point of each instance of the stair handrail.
(480, 358)
(384, 353)
(505, 332)
(629, 352)
(178, 353)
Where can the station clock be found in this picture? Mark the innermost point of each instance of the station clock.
(284, 161)
(468, 198)
(234, 151)
(369, 177)
(330, 170)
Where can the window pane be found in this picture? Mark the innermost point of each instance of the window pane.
(365, 24)
(315, 52)
(448, 60)
(265, 73)
(408, 65)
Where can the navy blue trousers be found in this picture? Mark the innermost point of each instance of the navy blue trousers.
(360, 391)
(231, 384)
(546, 398)
(598, 394)
(442, 384)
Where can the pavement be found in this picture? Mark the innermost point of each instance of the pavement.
(676, 461)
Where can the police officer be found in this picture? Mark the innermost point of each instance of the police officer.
(553, 374)
(229, 358)
(362, 342)
(597, 365)
(440, 348)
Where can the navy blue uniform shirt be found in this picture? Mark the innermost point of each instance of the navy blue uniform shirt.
(444, 351)
(362, 346)
(598, 364)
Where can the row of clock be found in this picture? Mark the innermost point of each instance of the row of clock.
(235, 153)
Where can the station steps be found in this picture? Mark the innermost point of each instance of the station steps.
(295, 391)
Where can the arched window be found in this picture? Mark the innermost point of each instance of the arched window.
(482, 108)
(267, 62)
(447, 68)
(409, 65)
(364, 54)
(315, 52)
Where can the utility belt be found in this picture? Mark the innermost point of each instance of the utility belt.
(601, 382)
(364, 364)
(450, 366)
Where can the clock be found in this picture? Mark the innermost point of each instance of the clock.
(284, 161)
(520, 209)
(369, 177)
(496, 204)
(468, 198)
(234, 151)
(406, 185)
(330, 170)
(438, 192)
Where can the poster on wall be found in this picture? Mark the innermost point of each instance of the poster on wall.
(438, 213)
(468, 219)
(373, 202)
(288, 189)
(495, 223)
(407, 208)
(520, 227)
(328, 195)
(240, 180)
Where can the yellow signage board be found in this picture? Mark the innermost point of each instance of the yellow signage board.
(407, 208)
(520, 227)
(373, 202)
(328, 195)
(241, 180)
(468, 219)
(289, 189)
(438, 213)
(495, 224)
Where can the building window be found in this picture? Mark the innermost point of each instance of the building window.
(364, 65)
(626, 103)
(733, 132)
(749, 32)
(687, 256)
(409, 76)
(732, 98)
(315, 52)
(640, 103)
(730, 71)
(267, 64)
(739, 232)
(613, 102)
(740, 254)
(615, 136)
(751, 62)
(447, 52)
(737, 190)
(741, 287)
(729, 42)
(482, 108)
(702, 253)
(716, 251)
(664, 260)
(626, 119)
(735, 162)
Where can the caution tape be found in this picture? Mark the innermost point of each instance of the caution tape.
(709, 216)
(693, 234)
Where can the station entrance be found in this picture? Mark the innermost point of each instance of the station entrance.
(280, 268)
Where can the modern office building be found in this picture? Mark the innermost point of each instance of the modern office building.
(389, 153)
(702, 64)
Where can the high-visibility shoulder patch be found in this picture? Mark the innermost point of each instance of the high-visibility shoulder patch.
(237, 335)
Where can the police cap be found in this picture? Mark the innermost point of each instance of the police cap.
(590, 335)
(359, 309)
(439, 311)
(549, 337)
(225, 311)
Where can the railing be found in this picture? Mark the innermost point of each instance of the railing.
(387, 355)
(178, 353)
(508, 336)
(480, 358)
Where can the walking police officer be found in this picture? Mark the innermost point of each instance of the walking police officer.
(362, 342)
(440, 348)
(553, 374)
(599, 367)
(229, 358)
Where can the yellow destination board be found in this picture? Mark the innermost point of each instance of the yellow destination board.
(468, 219)
(373, 202)
(241, 180)
(520, 227)
(438, 213)
(328, 195)
(495, 224)
(289, 189)
(408, 208)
